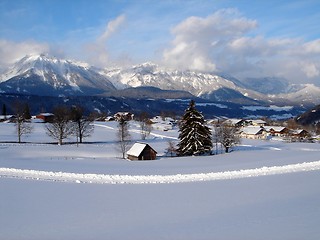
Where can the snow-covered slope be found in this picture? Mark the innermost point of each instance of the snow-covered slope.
(305, 93)
(46, 75)
(263, 190)
(310, 117)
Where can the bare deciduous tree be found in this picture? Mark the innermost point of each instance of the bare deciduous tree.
(123, 136)
(22, 125)
(145, 125)
(171, 149)
(228, 136)
(61, 127)
(216, 137)
(82, 125)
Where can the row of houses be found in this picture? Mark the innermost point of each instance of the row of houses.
(236, 122)
(43, 117)
(258, 129)
(265, 132)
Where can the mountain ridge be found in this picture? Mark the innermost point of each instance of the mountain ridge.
(46, 75)
(56, 76)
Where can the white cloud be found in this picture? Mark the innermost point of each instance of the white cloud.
(12, 51)
(311, 70)
(198, 39)
(225, 42)
(97, 51)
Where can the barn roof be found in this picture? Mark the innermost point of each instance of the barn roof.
(137, 149)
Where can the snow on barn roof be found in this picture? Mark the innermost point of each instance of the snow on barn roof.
(136, 149)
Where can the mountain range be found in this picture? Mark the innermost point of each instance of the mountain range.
(45, 75)
(48, 76)
(45, 81)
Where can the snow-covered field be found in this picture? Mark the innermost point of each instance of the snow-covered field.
(263, 190)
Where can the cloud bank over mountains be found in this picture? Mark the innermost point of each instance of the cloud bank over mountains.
(224, 41)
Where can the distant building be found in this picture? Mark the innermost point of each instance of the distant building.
(141, 151)
(300, 134)
(9, 118)
(257, 122)
(277, 131)
(254, 132)
(45, 117)
(124, 115)
(235, 122)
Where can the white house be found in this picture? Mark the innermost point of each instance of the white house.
(254, 132)
(258, 122)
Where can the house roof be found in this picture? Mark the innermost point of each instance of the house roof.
(137, 149)
(275, 128)
(298, 131)
(234, 121)
(258, 121)
(252, 130)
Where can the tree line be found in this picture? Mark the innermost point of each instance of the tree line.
(195, 137)
(66, 122)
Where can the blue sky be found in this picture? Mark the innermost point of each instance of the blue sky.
(243, 38)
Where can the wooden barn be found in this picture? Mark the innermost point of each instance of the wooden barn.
(141, 151)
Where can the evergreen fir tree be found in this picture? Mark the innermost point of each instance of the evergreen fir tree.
(195, 136)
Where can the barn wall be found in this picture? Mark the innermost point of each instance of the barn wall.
(130, 157)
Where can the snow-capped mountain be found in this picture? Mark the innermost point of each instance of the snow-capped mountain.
(46, 75)
(303, 93)
(200, 84)
(268, 85)
(49, 76)
(214, 87)
(149, 74)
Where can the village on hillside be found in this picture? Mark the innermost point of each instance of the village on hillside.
(246, 128)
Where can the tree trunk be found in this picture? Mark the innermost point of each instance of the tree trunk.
(19, 131)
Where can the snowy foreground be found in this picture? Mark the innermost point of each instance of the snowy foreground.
(263, 190)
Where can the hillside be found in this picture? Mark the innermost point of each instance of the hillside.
(311, 116)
